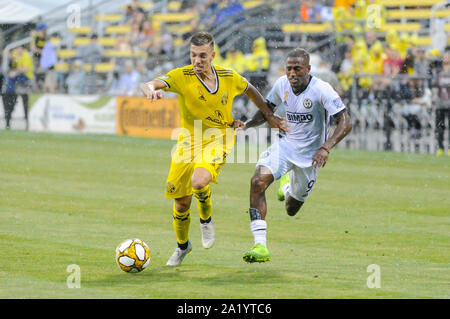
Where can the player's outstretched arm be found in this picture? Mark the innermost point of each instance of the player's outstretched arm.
(273, 120)
(151, 89)
(344, 126)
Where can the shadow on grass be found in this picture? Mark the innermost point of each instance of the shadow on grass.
(202, 275)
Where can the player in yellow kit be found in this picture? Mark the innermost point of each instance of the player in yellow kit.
(205, 94)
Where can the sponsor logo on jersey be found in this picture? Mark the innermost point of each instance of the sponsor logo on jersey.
(225, 99)
(307, 103)
(170, 188)
(299, 117)
(219, 119)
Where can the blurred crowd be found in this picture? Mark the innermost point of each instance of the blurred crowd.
(366, 62)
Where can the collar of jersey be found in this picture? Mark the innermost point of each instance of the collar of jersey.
(206, 87)
(306, 88)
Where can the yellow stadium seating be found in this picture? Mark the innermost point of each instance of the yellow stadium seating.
(401, 27)
(416, 14)
(106, 42)
(109, 17)
(174, 6)
(62, 67)
(55, 41)
(118, 29)
(412, 3)
(173, 17)
(125, 54)
(81, 30)
(66, 54)
(252, 3)
(306, 28)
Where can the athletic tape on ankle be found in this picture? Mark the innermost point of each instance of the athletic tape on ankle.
(255, 214)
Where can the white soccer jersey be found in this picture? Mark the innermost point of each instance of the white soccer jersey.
(308, 115)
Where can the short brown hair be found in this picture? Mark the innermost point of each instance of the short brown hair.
(202, 38)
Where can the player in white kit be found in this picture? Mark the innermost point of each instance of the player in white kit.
(310, 103)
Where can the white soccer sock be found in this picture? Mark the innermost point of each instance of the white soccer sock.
(285, 189)
(258, 228)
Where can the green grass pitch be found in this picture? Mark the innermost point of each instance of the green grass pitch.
(71, 199)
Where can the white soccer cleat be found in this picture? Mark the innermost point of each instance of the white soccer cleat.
(208, 234)
(178, 255)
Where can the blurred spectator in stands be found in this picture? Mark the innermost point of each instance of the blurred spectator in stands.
(18, 82)
(91, 54)
(258, 64)
(376, 62)
(230, 14)
(345, 74)
(139, 16)
(47, 64)
(442, 85)
(392, 39)
(128, 80)
(310, 11)
(346, 4)
(361, 65)
(324, 72)
(391, 67)
(76, 80)
(128, 16)
(122, 44)
(39, 38)
(403, 45)
(235, 60)
(207, 13)
(341, 50)
(415, 110)
(421, 64)
(136, 5)
(147, 35)
(218, 58)
(164, 43)
(371, 39)
(136, 36)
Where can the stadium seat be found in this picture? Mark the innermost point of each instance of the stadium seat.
(81, 30)
(118, 29)
(416, 14)
(109, 17)
(66, 54)
(401, 27)
(106, 42)
(173, 17)
(125, 54)
(409, 3)
(252, 4)
(179, 29)
(62, 67)
(306, 28)
(55, 41)
(174, 6)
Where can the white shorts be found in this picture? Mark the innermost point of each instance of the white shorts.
(301, 179)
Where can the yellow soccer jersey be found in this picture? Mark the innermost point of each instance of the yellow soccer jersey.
(205, 113)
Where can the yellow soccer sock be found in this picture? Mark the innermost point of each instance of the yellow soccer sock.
(204, 203)
(181, 223)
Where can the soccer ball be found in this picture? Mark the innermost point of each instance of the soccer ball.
(133, 255)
